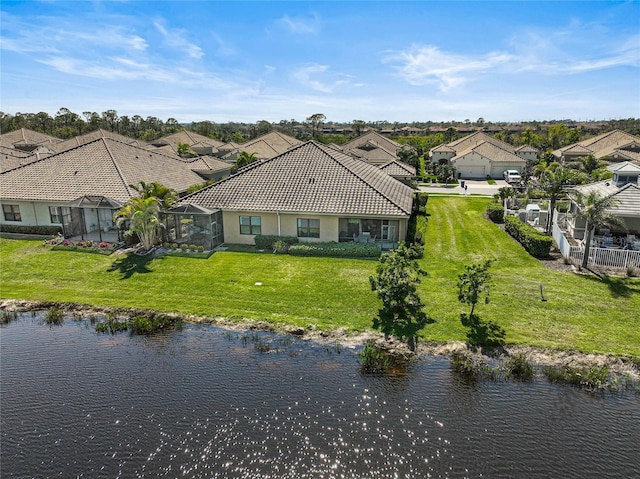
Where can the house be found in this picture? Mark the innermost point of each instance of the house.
(373, 148)
(399, 170)
(80, 188)
(11, 157)
(613, 146)
(480, 156)
(624, 187)
(265, 146)
(311, 191)
(208, 167)
(202, 145)
(94, 135)
(29, 140)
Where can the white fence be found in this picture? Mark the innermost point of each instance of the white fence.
(612, 258)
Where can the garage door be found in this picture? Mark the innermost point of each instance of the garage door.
(469, 171)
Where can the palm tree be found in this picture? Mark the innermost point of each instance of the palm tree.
(245, 158)
(166, 196)
(593, 208)
(552, 182)
(143, 217)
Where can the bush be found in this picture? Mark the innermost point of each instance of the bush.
(373, 360)
(267, 241)
(519, 368)
(420, 200)
(339, 250)
(495, 212)
(184, 247)
(200, 249)
(53, 316)
(193, 247)
(32, 230)
(281, 247)
(536, 243)
(174, 245)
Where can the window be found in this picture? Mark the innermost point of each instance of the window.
(308, 228)
(55, 214)
(250, 225)
(11, 212)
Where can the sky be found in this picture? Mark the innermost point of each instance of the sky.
(279, 60)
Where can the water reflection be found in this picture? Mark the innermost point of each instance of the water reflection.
(203, 402)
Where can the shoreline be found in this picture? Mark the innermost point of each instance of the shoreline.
(540, 356)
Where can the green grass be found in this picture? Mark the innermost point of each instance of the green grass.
(581, 313)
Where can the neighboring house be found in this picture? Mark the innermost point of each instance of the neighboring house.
(29, 140)
(201, 144)
(94, 135)
(11, 157)
(311, 191)
(613, 146)
(623, 186)
(373, 148)
(81, 188)
(399, 170)
(209, 168)
(480, 155)
(264, 147)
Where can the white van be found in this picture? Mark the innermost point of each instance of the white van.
(512, 176)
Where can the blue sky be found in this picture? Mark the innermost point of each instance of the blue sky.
(395, 61)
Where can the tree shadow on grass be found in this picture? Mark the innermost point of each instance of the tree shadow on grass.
(405, 330)
(482, 333)
(618, 287)
(131, 264)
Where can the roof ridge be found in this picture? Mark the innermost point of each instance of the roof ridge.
(116, 166)
(366, 183)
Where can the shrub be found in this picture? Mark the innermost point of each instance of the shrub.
(267, 241)
(340, 250)
(536, 243)
(519, 368)
(592, 378)
(53, 316)
(174, 245)
(143, 325)
(104, 245)
(166, 245)
(495, 212)
(32, 230)
(184, 247)
(281, 247)
(193, 247)
(200, 249)
(373, 360)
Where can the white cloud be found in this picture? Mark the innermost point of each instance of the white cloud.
(427, 64)
(175, 38)
(309, 75)
(299, 25)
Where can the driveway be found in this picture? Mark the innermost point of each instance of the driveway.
(474, 187)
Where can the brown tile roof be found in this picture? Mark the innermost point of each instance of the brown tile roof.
(527, 149)
(475, 139)
(190, 138)
(372, 137)
(309, 178)
(603, 145)
(372, 152)
(94, 135)
(269, 145)
(492, 152)
(398, 168)
(25, 137)
(103, 167)
(207, 163)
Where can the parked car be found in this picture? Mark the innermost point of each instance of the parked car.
(512, 176)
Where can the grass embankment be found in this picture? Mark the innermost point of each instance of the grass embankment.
(582, 313)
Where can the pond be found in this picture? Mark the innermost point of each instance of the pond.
(204, 402)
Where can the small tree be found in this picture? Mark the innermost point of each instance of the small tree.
(166, 196)
(472, 285)
(184, 150)
(245, 158)
(396, 281)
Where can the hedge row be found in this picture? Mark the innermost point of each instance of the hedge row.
(495, 212)
(536, 243)
(340, 250)
(267, 241)
(32, 230)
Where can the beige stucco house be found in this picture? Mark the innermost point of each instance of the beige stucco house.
(613, 146)
(480, 156)
(311, 191)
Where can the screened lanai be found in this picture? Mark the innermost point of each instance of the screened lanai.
(191, 224)
(91, 218)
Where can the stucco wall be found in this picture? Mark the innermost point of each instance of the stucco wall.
(33, 213)
(472, 165)
(498, 169)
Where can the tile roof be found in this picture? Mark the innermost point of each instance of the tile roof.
(624, 167)
(492, 152)
(189, 137)
(104, 167)
(207, 163)
(93, 135)
(372, 152)
(627, 196)
(527, 149)
(269, 145)
(398, 168)
(603, 145)
(475, 139)
(309, 178)
(26, 137)
(372, 137)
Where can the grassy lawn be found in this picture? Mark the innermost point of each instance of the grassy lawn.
(582, 313)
